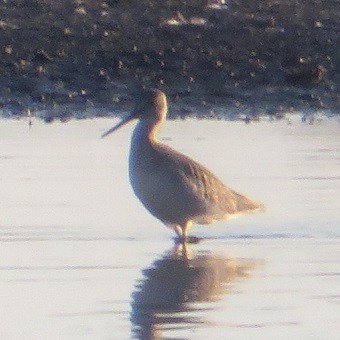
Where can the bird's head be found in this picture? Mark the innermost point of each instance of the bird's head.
(150, 104)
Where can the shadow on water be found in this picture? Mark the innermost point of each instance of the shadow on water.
(180, 289)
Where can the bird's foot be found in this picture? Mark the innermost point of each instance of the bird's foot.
(188, 239)
(193, 239)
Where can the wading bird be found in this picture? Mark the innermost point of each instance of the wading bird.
(171, 186)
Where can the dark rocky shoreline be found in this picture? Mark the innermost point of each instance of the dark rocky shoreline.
(89, 58)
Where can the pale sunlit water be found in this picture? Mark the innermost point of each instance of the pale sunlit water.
(81, 259)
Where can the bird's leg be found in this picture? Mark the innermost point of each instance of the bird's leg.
(185, 237)
(185, 228)
(178, 230)
(182, 233)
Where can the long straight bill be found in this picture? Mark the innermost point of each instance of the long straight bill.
(119, 125)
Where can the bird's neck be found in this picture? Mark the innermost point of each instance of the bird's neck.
(146, 131)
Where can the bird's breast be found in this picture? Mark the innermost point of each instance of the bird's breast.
(143, 170)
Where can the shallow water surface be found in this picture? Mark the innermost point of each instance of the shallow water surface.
(81, 259)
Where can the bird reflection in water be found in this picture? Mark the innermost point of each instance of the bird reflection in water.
(179, 287)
